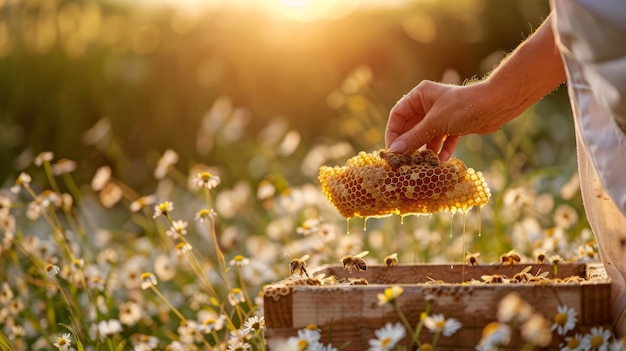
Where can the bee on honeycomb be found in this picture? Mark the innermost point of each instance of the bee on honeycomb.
(382, 183)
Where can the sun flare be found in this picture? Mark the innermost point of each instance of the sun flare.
(308, 10)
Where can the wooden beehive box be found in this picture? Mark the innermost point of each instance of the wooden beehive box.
(350, 313)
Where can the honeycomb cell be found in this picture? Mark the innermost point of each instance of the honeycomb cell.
(372, 184)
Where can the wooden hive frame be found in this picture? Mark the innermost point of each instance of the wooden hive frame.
(350, 313)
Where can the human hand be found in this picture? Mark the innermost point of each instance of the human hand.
(437, 115)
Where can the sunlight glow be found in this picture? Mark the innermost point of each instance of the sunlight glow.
(289, 10)
(308, 10)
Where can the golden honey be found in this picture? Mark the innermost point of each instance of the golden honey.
(371, 185)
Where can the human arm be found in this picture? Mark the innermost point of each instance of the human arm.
(433, 114)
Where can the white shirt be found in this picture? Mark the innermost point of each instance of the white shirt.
(591, 35)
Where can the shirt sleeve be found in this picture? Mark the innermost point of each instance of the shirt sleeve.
(592, 38)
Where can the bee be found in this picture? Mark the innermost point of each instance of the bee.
(526, 277)
(430, 157)
(471, 259)
(391, 158)
(511, 257)
(540, 277)
(432, 281)
(495, 279)
(391, 260)
(418, 159)
(540, 257)
(523, 276)
(357, 281)
(330, 280)
(395, 160)
(299, 264)
(405, 159)
(355, 262)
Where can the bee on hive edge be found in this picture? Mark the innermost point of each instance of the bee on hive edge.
(431, 157)
(417, 158)
(391, 158)
(395, 160)
(357, 281)
(540, 257)
(471, 259)
(511, 257)
(298, 264)
(495, 279)
(391, 260)
(355, 262)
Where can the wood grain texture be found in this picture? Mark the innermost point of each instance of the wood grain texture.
(354, 314)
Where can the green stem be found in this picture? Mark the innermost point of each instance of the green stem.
(75, 319)
(405, 321)
(420, 325)
(242, 283)
(436, 338)
(50, 176)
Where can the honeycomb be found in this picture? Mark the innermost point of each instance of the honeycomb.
(382, 183)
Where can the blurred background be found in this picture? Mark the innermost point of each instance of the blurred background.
(263, 91)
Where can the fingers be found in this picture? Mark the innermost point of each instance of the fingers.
(435, 143)
(416, 120)
(415, 137)
(401, 118)
(407, 112)
(448, 147)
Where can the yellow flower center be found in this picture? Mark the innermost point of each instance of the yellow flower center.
(560, 318)
(573, 343)
(238, 258)
(164, 207)
(426, 347)
(302, 344)
(204, 213)
(597, 341)
(385, 342)
(440, 324)
(205, 176)
(62, 342)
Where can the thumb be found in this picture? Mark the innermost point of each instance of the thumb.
(421, 134)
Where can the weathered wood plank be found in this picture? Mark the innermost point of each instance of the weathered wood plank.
(353, 312)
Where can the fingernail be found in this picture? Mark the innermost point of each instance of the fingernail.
(398, 146)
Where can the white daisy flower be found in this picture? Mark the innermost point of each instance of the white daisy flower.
(253, 323)
(306, 339)
(618, 345)
(110, 327)
(439, 324)
(206, 180)
(597, 339)
(64, 342)
(239, 346)
(163, 209)
(565, 320)
(573, 343)
(236, 296)
(390, 295)
(148, 280)
(387, 337)
(52, 270)
(495, 334)
(177, 229)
